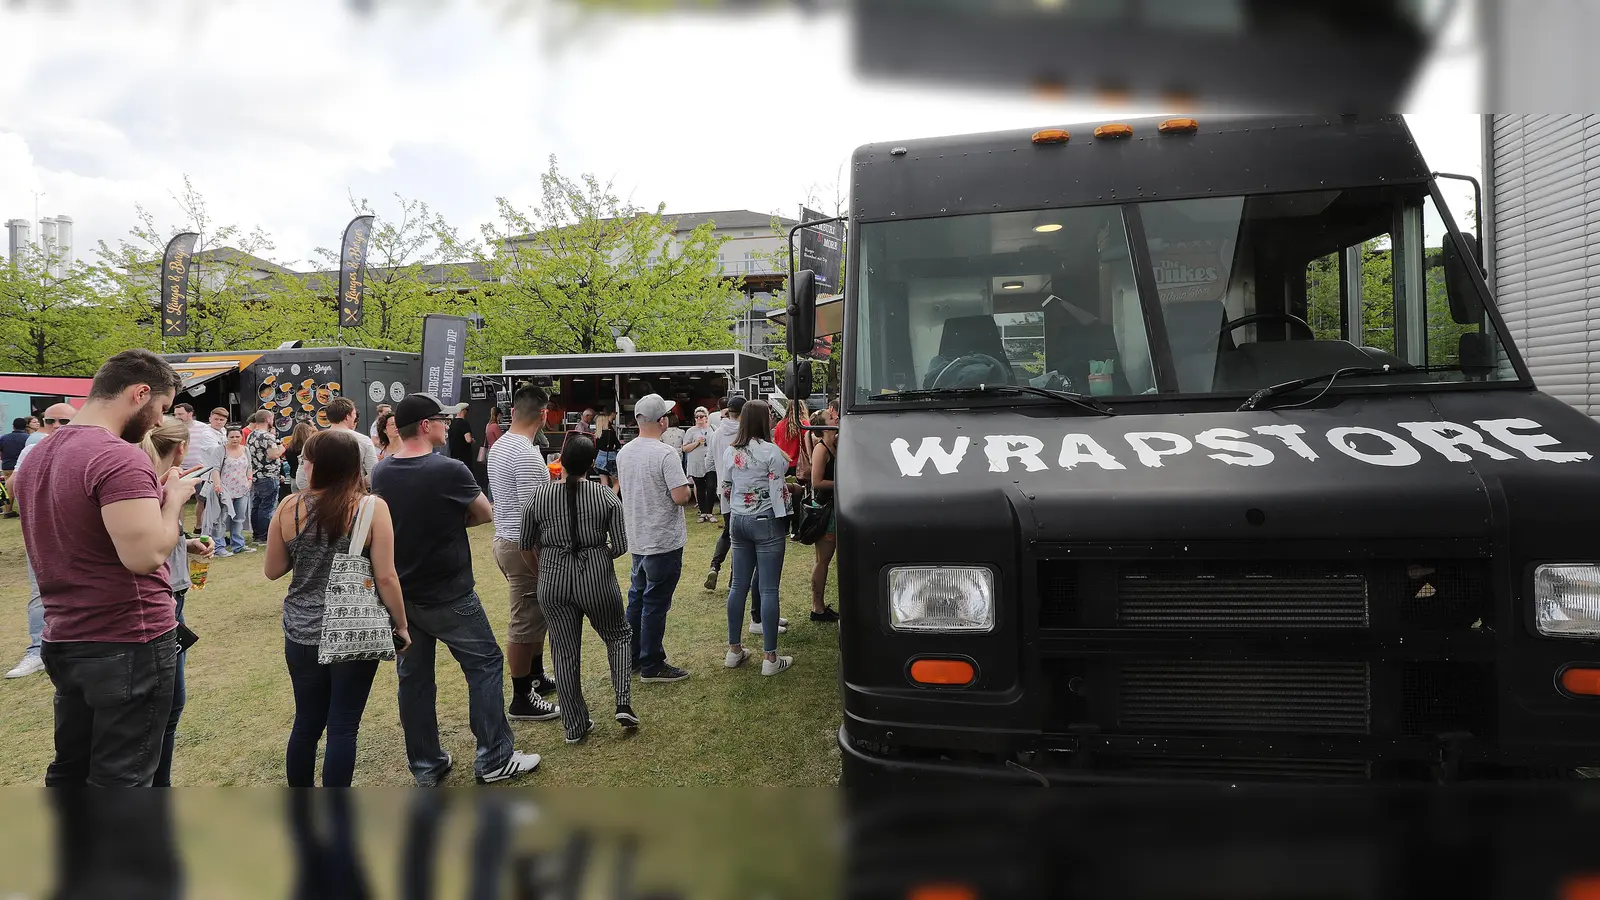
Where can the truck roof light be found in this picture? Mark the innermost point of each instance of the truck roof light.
(1114, 130)
(1051, 136)
(942, 892)
(1179, 126)
(1584, 682)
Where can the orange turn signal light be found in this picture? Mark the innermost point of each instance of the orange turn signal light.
(1051, 136)
(1584, 682)
(942, 892)
(1115, 130)
(1581, 887)
(1179, 126)
(943, 671)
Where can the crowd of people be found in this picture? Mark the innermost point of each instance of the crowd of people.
(102, 491)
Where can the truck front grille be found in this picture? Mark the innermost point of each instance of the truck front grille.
(1240, 595)
(1233, 696)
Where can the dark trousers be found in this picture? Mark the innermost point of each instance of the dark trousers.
(263, 502)
(327, 854)
(490, 849)
(111, 708)
(650, 589)
(326, 698)
(705, 491)
(464, 629)
(180, 695)
(115, 844)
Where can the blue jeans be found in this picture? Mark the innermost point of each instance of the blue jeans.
(35, 612)
(229, 533)
(758, 546)
(463, 628)
(179, 696)
(263, 500)
(326, 698)
(650, 588)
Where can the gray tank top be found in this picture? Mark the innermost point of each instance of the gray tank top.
(311, 561)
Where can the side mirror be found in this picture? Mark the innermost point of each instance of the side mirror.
(1465, 305)
(802, 316)
(797, 379)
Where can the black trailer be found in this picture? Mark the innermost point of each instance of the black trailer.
(297, 384)
(1198, 449)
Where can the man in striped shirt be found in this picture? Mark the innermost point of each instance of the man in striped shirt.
(516, 468)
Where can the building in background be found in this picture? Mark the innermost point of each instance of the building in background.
(1542, 209)
(19, 238)
(55, 239)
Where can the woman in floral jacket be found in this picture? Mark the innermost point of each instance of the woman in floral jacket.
(753, 471)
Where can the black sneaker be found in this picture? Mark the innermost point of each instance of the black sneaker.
(530, 708)
(663, 673)
(580, 736)
(828, 614)
(543, 686)
(711, 579)
(626, 718)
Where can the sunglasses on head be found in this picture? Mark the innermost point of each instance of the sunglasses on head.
(58, 421)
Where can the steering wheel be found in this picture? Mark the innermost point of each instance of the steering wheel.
(959, 364)
(1254, 318)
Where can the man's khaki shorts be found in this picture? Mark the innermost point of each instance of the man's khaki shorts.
(527, 620)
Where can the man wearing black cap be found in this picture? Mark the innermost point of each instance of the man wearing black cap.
(433, 500)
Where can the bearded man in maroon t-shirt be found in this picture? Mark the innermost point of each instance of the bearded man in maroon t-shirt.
(99, 524)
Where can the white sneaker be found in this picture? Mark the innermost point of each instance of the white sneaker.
(735, 660)
(30, 664)
(248, 549)
(519, 764)
(783, 626)
(774, 666)
(221, 554)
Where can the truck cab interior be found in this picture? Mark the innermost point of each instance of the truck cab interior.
(1243, 292)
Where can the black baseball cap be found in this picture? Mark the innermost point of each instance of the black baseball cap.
(416, 407)
(735, 405)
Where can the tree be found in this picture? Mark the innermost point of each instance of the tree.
(583, 268)
(239, 298)
(52, 319)
(413, 269)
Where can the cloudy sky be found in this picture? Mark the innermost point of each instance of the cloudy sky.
(279, 110)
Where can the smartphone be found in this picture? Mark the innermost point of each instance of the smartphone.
(398, 643)
(200, 473)
(186, 638)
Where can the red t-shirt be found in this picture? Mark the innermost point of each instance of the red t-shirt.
(88, 595)
(787, 441)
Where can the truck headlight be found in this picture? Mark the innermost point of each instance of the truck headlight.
(941, 598)
(1567, 598)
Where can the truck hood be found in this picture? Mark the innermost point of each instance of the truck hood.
(1437, 466)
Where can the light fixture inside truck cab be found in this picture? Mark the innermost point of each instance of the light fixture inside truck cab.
(1566, 599)
(941, 599)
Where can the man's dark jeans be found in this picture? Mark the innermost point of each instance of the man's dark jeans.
(263, 502)
(463, 627)
(650, 589)
(112, 703)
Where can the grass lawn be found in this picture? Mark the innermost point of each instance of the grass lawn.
(719, 727)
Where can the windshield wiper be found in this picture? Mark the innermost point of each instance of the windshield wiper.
(1268, 393)
(1081, 401)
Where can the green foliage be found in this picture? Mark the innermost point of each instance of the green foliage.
(1325, 307)
(56, 324)
(582, 268)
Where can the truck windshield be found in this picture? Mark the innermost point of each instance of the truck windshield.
(1249, 292)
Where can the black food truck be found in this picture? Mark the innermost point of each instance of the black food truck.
(1198, 449)
(295, 383)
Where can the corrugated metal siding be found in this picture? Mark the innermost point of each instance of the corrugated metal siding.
(1546, 183)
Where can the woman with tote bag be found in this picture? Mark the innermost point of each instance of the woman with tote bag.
(312, 531)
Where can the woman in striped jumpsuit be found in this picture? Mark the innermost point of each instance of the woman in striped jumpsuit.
(571, 533)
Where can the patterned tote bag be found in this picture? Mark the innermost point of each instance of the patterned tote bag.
(355, 624)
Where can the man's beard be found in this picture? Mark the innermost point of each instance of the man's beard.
(147, 418)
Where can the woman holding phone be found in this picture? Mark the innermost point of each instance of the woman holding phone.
(307, 531)
(166, 445)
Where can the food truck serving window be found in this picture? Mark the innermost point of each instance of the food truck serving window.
(1250, 292)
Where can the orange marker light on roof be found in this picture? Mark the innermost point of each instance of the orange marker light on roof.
(1179, 126)
(1114, 130)
(942, 892)
(1051, 136)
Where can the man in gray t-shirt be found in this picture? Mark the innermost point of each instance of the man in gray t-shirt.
(654, 491)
